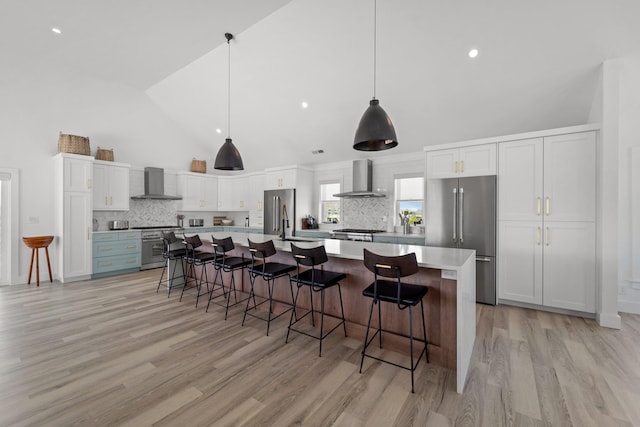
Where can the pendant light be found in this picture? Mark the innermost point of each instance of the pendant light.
(375, 131)
(228, 158)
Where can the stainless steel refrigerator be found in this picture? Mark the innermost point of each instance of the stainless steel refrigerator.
(279, 211)
(461, 213)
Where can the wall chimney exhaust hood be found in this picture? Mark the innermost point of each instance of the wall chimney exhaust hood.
(154, 186)
(362, 181)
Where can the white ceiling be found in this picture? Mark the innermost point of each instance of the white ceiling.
(538, 66)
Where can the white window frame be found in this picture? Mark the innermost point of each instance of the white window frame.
(321, 219)
(396, 211)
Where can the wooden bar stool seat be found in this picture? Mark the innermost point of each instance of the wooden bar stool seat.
(35, 243)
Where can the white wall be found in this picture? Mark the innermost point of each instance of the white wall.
(37, 103)
(628, 220)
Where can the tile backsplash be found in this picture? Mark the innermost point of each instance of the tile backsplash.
(369, 213)
(142, 213)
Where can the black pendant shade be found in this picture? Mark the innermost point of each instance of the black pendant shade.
(375, 131)
(228, 158)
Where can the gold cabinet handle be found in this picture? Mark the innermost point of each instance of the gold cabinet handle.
(455, 166)
(548, 206)
(461, 166)
(539, 206)
(131, 246)
(106, 201)
(539, 235)
(89, 184)
(546, 237)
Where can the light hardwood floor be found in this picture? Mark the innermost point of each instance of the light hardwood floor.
(113, 352)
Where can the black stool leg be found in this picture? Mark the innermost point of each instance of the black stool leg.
(366, 336)
(186, 278)
(313, 316)
(411, 345)
(344, 322)
(161, 276)
(270, 284)
(286, 340)
(173, 274)
(252, 280)
(424, 331)
(321, 320)
(380, 324)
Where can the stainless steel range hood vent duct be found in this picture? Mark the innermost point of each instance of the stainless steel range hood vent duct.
(154, 186)
(362, 181)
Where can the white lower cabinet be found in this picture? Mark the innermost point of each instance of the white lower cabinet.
(520, 261)
(569, 266)
(551, 264)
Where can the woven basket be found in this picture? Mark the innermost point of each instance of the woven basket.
(104, 154)
(199, 166)
(73, 144)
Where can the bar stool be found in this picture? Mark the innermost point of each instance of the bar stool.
(269, 271)
(195, 258)
(318, 280)
(394, 291)
(35, 243)
(172, 250)
(227, 264)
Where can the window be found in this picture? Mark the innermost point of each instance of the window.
(329, 205)
(409, 199)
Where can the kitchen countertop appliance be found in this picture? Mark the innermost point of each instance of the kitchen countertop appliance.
(461, 213)
(355, 234)
(118, 225)
(196, 222)
(280, 212)
(152, 246)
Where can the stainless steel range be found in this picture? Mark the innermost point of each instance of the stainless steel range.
(355, 234)
(152, 245)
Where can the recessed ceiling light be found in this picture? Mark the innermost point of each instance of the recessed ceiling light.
(218, 130)
(473, 53)
(319, 151)
(56, 30)
(304, 104)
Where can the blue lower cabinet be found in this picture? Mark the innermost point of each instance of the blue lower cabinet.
(384, 239)
(411, 241)
(116, 253)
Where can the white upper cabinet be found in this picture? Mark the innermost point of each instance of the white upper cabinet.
(520, 180)
(110, 186)
(474, 160)
(256, 192)
(570, 177)
(199, 192)
(77, 174)
(233, 193)
(554, 177)
(280, 179)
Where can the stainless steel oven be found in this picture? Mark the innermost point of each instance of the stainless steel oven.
(152, 246)
(355, 234)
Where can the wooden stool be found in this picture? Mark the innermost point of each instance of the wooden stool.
(36, 243)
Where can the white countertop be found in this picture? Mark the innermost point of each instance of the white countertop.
(428, 256)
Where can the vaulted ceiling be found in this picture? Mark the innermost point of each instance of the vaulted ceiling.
(538, 67)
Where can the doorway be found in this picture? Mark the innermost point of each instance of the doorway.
(8, 226)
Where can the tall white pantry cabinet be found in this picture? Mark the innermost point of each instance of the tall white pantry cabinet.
(73, 216)
(546, 221)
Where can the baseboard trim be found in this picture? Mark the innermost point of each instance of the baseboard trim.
(549, 309)
(632, 307)
(609, 320)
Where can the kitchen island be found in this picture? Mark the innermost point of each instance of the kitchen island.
(449, 306)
